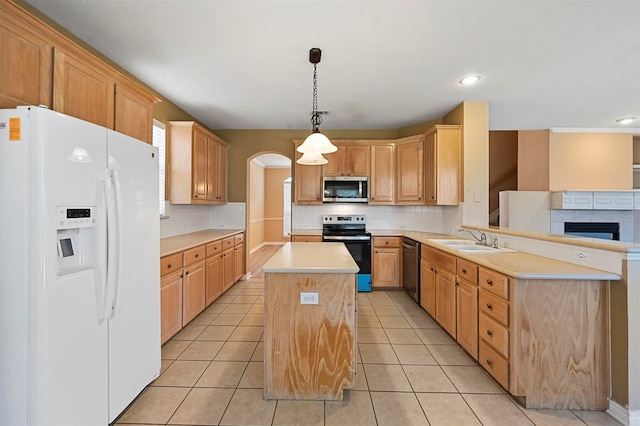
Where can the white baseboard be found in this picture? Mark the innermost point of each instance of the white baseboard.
(621, 414)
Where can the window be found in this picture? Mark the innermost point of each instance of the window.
(159, 142)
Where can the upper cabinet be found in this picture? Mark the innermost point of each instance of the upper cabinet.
(442, 165)
(381, 179)
(349, 160)
(409, 170)
(307, 181)
(196, 165)
(40, 66)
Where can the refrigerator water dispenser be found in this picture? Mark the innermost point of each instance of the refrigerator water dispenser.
(77, 239)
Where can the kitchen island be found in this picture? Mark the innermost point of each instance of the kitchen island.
(310, 322)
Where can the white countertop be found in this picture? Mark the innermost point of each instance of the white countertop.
(178, 243)
(324, 258)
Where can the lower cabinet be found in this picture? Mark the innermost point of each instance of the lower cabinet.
(467, 306)
(428, 286)
(386, 261)
(306, 238)
(446, 301)
(193, 279)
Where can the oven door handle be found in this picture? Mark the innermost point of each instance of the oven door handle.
(346, 238)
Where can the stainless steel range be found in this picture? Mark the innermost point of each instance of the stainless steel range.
(351, 230)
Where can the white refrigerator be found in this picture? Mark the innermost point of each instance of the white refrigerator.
(79, 269)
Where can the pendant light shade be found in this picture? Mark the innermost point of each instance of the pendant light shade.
(316, 142)
(312, 159)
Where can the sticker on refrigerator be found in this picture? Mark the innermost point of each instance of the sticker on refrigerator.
(14, 129)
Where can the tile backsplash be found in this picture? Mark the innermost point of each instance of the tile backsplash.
(183, 219)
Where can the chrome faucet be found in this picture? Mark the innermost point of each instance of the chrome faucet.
(482, 240)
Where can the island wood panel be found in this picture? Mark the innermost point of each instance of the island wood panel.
(309, 349)
(560, 358)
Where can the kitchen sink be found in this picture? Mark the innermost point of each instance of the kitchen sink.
(466, 246)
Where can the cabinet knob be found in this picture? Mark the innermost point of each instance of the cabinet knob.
(197, 255)
(490, 363)
(490, 306)
(464, 271)
(489, 282)
(489, 333)
(186, 272)
(386, 242)
(169, 266)
(431, 269)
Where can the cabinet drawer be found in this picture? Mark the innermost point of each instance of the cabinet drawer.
(170, 264)
(494, 334)
(387, 241)
(193, 255)
(495, 365)
(494, 307)
(467, 270)
(306, 238)
(494, 282)
(214, 248)
(439, 258)
(227, 243)
(238, 239)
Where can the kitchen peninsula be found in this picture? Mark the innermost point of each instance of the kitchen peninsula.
(310, 322)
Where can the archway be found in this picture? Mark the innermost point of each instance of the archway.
(265, 210)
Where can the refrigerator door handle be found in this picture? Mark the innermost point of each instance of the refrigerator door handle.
(118, 237)
(112, 242)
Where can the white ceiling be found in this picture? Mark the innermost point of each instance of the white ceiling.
(243, 64)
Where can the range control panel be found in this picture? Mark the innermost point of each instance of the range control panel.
(344, 219)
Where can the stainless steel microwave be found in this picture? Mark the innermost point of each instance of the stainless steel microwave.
(345, 189)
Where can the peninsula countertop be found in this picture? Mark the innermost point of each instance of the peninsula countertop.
(323, 258)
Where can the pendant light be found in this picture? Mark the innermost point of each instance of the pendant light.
(316, 143)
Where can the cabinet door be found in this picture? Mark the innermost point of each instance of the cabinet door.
(428, 287)
(336, 160)
(308, 183)
(199, 165)
(133, 113)
(25, 69)
(382, 175)
(358, 160)
(467, 317)
(193, 293)
(446, 301)
(221, 169)
(409, 172)
(213, 288)
(170, 305)
(82, 90)
(228, 269)
(442, 165)
(213, 154)
(386, 267)
(306, 238)
(238, 261)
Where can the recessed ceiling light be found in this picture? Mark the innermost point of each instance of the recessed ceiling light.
(470, 80)
(625, 120)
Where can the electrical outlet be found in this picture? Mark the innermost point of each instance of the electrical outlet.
(582, 256)
(307, 298)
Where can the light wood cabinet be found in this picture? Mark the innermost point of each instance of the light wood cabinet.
(27, 61)
(382, 177)
(348, 160)
(386, 262)
(306, 238)
(170, 296)
(428, 286)
(193, 284)
(442, 165)
(446, 300)
(213, 286)
(238, 256)
(196, 164)
(467, 306)
(43, 67)
(307, 181)
(409, 182)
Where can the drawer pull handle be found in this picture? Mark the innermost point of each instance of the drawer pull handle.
(489, 306)
(464, 271)
(490, 363)
(197, 255)
(489, 333)
(489, 282)
(169, 266)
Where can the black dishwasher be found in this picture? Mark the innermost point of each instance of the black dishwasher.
(411, 268)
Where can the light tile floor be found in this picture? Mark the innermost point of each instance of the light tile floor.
(410, 372)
